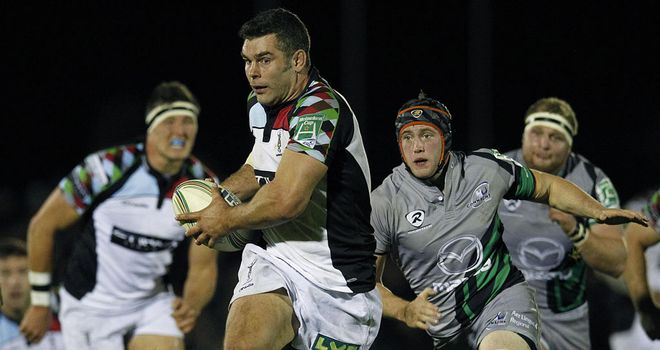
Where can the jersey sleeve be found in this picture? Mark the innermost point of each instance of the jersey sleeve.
(517, 177)
(95, 174)
(379, 221)
(313, 124)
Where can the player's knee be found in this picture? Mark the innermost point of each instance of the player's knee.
(503, 340)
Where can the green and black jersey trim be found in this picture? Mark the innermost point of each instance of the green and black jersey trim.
(481, 288)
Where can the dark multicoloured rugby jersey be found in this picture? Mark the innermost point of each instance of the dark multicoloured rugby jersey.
(542, 250)
(129, 235)
(332, 242)
(451, 240)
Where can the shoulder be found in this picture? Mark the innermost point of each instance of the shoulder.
(319, 98)
(488, 157)
(577, 162)
(121, 155)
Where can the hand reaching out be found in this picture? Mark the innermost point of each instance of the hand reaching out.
(421, 313)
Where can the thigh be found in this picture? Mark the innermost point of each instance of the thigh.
(159, 342)
(260, 321)
(503, 340)
(513, 310)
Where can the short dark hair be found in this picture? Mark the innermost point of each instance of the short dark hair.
(12, 247)
(291, 32)
(168, 92)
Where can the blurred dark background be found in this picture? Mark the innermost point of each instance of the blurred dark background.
(77, 75)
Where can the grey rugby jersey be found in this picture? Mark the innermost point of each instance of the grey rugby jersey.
(541, 249)
(451, 240)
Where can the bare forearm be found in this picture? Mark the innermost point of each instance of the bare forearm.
(199, 286)
(563, 195)
(201, 278)
(271, 206)
(40, 247)
(393, 306)
(634, 274)
(242, 183)
(605, 254)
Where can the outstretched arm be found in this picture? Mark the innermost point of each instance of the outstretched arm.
(419, 313)
(566, 196)
(603, 250)
(639, 238)
(55, 214)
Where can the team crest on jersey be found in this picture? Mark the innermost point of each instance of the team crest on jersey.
(512, 204)
(307, 128)
(480, 195)
(606, 194)
(415, 217)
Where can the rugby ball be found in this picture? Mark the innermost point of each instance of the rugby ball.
(195, 195)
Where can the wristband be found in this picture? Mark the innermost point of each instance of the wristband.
(39, 298)
(39, 279)
(579, 235)
(40, 283)
(229, 196)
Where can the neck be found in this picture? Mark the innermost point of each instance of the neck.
(161, 164)
(299, 86)
(438, 179)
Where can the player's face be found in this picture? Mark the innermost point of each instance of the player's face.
(174, 137)
(268, 70)
(422, 149)
(14, 282)
(545, 149)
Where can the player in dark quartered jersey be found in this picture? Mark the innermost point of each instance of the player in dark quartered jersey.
(308, 185)
(536, 235)
(436, 215)
(642, 279)
(116, 287)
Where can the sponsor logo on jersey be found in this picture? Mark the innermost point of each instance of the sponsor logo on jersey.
(540, 253)
(512, 204)
(448, 286)
(415, 217)
(139, 242)
(480, 195)
(323, 342)
(498, 320)
(460, 255)
(522, 320)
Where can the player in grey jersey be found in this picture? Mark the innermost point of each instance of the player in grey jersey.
(536, 235)
(436, 214)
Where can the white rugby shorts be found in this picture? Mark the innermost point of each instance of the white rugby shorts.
(328, 319)
(84, 328)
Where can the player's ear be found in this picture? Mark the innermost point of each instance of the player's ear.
(299, 60)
